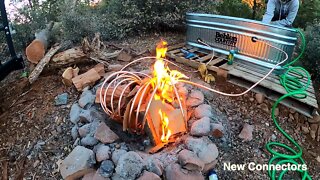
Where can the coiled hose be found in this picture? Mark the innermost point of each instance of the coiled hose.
(296, 88)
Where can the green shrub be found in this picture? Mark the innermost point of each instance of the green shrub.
(235, 8)
(122, 18)
(312, 53)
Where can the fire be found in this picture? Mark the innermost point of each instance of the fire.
(164, 80)
(166, 133)
(163, 76)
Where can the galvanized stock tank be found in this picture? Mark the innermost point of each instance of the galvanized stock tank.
(225, 33)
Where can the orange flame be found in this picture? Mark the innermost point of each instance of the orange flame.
(164, 80)
(166, 132)
(163, 76)
(161, 49)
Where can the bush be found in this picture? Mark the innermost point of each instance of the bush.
(235, 8)
(312, 53)
(121, 18)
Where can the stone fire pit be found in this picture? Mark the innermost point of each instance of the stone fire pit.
(103, 151)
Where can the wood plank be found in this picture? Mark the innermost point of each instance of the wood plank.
(274, 80)
(205, 58)
(289, 102)
(176, 46)
(256, 69)
(191, 63)
(276, 87)
(174, 51)
(216, 61)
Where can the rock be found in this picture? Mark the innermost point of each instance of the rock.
(155, 166)
(314, 120)
(203, 148)
(204, 110)
(183, 91)
(175, 172)
(217, 130)
(117, 154)
(246, 133)
(84, 130)
(85, 116)
(291, 117)
(251, 99)
(296, 116)
(260, 98)
(61, 99)
(98, 176)
(78, 163)
(276, 112)
(305, 129)
(313, 130)
(201, 127)
(318, 138)
(36, 163)
(105, 134)
(124, 56)
(114, 67)
(189, 160)
(130, 165)
(273, 137)
(195, 98)
(102, 153)
(75, 113)
(292, 111)
(264, 107)
(116, 176)
(209, 166)
(74, 132)
(149, 176)
(207, 94)
(318, 159)
(86, 98)
(89, 176)
(106, 169)
(89, 141)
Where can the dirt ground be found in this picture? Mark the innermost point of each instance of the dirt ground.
(35, 134)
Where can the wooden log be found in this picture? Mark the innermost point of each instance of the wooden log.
(100, 69)
(68, 74)
(70, 56)
(109, 93)
(37, 48)
(86, 79)
(44, 61)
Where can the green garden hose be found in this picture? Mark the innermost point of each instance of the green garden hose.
(296, 88)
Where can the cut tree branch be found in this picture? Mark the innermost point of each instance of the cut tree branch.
(43, 62)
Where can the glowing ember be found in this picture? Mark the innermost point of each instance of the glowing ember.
(166, 132)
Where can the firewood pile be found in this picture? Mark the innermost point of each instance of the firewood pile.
(61, 57)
